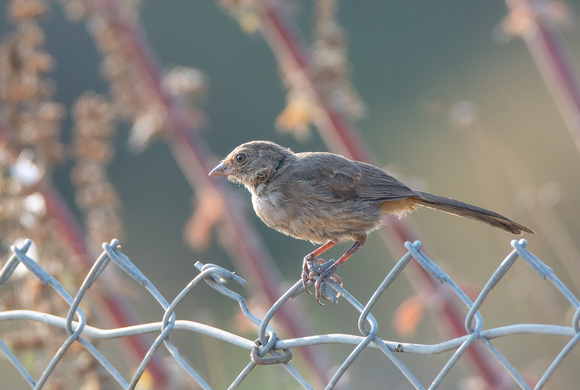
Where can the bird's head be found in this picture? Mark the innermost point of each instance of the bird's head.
(253, 163)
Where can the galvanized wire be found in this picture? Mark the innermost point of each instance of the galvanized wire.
(269, 348)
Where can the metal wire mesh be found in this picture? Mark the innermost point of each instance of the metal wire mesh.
(269, 349)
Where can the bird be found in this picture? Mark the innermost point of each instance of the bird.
(327, 198)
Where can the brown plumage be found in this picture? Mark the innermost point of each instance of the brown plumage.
(326, 198)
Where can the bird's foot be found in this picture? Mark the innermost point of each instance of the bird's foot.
(319, 271)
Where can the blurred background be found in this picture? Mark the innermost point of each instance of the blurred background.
(450, 97)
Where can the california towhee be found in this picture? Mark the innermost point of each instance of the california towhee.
(326, 198)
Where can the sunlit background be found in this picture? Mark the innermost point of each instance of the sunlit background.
(445, 95)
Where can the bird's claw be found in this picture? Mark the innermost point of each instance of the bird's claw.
(310, 268)
(318, 271)
(320, 286)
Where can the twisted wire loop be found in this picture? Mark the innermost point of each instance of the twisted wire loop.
(258, 354)
(269, 349)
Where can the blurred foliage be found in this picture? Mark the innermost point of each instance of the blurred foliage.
(446, 97)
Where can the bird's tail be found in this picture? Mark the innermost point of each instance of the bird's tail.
(469, 211)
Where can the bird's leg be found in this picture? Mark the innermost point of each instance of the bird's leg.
(329, 272)
(307, 264)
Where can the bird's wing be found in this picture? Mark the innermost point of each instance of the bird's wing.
(376, 184)
(339, 179)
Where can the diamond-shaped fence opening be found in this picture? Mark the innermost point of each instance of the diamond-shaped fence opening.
(269, 349)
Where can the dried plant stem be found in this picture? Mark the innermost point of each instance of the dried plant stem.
(71, 232)
(549, 52)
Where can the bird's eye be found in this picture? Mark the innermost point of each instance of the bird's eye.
(240, 157)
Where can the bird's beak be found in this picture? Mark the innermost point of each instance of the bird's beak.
(223, 169)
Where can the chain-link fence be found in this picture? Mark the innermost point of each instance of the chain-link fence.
(268, 348)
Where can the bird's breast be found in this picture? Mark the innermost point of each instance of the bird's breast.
(305, 218)
(270, 208)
